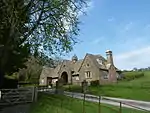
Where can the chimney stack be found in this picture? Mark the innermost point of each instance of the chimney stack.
(109, 57)
(74, 59)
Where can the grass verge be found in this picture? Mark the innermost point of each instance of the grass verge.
(48, 103)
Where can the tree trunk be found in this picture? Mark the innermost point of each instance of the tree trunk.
(1, 79)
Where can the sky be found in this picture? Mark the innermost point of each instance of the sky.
(122, 26)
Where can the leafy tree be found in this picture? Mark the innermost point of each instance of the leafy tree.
(12, 53)
(34, 68)
(135, 69)
(32, 71)
(49, 61)
(30, 26)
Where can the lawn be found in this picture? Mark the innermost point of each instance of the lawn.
(138, 89)
(61, 104)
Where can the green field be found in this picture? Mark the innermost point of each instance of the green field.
(61, 104)
(138, 89)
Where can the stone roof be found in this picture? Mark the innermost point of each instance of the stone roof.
(95, 59)
(75, 66)
(46, 71)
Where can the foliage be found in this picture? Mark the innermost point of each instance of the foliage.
(32, 72)
(34, 67)
(36, 26)
(52, 24)
(95, 83)
(132, 75)
(47, 61)
(10, 83)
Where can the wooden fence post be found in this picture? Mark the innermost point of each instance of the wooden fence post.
(99, 104)
(36, 93)
(33, 95)
(84, 104)
(120, 107)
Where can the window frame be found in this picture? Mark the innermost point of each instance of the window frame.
(88, 74)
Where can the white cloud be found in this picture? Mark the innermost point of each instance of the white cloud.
(138, 58)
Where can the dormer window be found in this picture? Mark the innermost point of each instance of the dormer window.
(99, 61)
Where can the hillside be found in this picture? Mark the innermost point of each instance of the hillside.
(138, 88)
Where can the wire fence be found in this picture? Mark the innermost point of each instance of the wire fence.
(85, 103)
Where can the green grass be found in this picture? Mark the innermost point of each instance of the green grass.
(61, 104)
(138, 89)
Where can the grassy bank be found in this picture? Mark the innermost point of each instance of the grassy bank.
(61, 104)
(138, 89)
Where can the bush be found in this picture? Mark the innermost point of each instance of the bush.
(10, 83)
(95, 83)
(132, 75)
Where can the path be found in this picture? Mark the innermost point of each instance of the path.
(112, 101)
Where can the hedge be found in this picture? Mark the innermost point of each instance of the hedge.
(94, 83)
(132, 75)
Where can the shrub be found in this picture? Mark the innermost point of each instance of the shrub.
(132, 75)
(95, 83)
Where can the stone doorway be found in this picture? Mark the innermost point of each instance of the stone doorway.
(49, 81)
(64, 77)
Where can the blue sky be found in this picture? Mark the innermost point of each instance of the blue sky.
(122, 26)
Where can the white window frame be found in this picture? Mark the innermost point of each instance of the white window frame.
(42, 81)
(77, 77)
(88, 74)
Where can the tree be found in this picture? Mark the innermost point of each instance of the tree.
(32, 71)
(47, 61)
(34, 67)
(30, 26)
(135, 69)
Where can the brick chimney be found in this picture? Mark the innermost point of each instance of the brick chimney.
(109, 57)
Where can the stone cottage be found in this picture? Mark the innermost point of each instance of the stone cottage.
(91, 68)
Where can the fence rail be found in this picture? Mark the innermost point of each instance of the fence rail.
(99, 99)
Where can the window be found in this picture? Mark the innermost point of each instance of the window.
(42, 81)
(99, 61)
(77, 78)
(54, 81)
(87, 65)
(88, 74)
(72, 72)
(105, 75)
